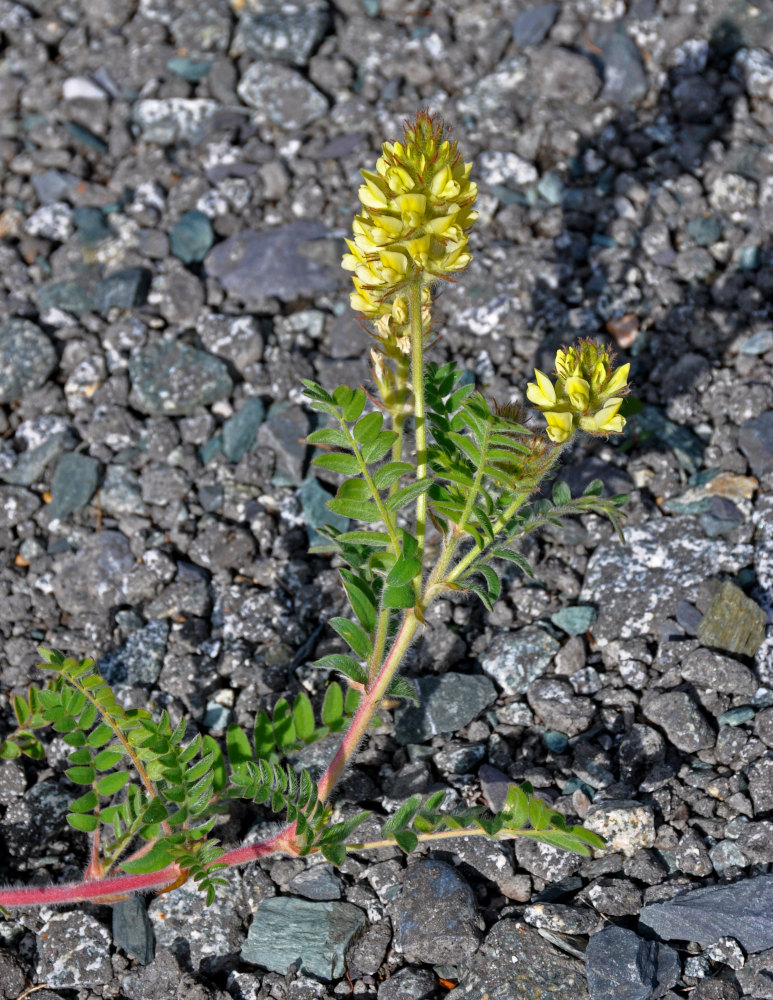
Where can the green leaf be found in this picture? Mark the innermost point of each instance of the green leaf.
(398, 597)
(401, 687)
(594, 489)
(112, 783)
(303, 717)
(237, 746)
(374, 451)
(219, 779)
(361, 599)
(406, 840)
(85, 803)
(263, 736)
(373, 538)
(85, 822)
(514, 557)
(329, 436)
(334, 853)
(351, 401)
(403, 815)
(107, 759)
(332, 704)
(390, 472)
(81, 775)
(9, 750)
(352, 701)
(492, 581)
(344, 665)
(21, 709)
(406, 494)
(358, 510)
(538, 814)
(354, 635)
(337, 461)
(475, 588)
(157, 857)
(99, 736)
(403, 571)
(561, 493)
(367, 429)
(284, 727)
(516, 807)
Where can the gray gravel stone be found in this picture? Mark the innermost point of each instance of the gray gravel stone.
(94, 577)
(448, 702)
(408, 984)
(280, 96)
(74, 484)
(277, 30)
(277, 261)
(132, 929)
(681, 720)
(515, 961)
(435, 918)
(531, 26)
(622, 966)
(16, 505)
(741, 910)
(314, 936)
(515, 659)
(139, 660)
(707, 669)
(191, 237)
(74, 950)
(27, 358)
(240, 432)
(173, 119)
(556, 704)
(755, 440)
(172, 378)
(284, 431)
(636, 587)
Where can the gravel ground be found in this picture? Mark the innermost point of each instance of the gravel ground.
(177, 177)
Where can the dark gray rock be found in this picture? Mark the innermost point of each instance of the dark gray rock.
(314, 498)
(515, 961)
(741, 910)
(73, 949)
(515, 659)
(622, 69)
(275, 30)
(559, 74)
(652, 423)
(435, 918)
(314, 936)
(613, 897)
(74, 296)
(31, 464)
(219, 545)
(622, 966)
(280, 96)
(556, 704)
(132, 929)
(637, 586)
(760, 776)
(95, 575)
(169, 120)
(284, 431)
(319, 882)
(755, 841)
(27, 358)
(366, 955)
(277, 262)
(531, 26)
(448, 702)
(705, 229)
(172, 378)
(755, 440)
(13, 977)
(546, 862)
(16, 505)
(139, 660)
(681, 720)
(732, 621)
(126, 289)
(74, 484)
(561, 918)
(191, 237)
(695, 99)
(755, 978)
(708, 669)
(408, 984)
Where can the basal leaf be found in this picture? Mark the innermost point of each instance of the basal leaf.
(303, 717)
(370, 538)
(329, 436)
(390, 472)
(107, 759)
(86, 803)
(406, 840)
(514, 557)
(284, 726)
(211, 748)
(263, 735)
(237, 746)
(375, 450)
(21, 709)
(492, 581)
(332, 704)
(334, 853)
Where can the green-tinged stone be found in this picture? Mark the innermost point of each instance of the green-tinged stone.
(735, 716)
(652, 425)
(132, 929)
(555, 742)
(31, 464)
(705, 230)
(576, 620)
(27, 358)
(75, 482)
(749, 258)
(172, 378)
(86, 137)
(191, 237)
(551, 188)
(314, 498)
(189, 69)
(311, 935)
(733, 622)
(126, 289)
(240, 432)
(213, 447)
(69, 296)
(91, 224)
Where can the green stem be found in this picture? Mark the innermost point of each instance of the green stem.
(386, 517)
(402, 370)
(420, 420)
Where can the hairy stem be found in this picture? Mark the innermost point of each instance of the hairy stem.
(419, 415)
(368, 705)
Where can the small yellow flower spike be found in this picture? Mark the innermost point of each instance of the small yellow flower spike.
(587, 395)
(417, 213)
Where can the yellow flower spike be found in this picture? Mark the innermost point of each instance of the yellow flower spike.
(400, 310)
(412, 207)
(618, 382)
(560, 426)
(541, 393)
(578, 391)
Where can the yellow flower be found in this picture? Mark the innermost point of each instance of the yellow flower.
(587, 395)
(416, 216)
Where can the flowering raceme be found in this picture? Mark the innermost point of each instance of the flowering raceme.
(587, 395)
(417, 212)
